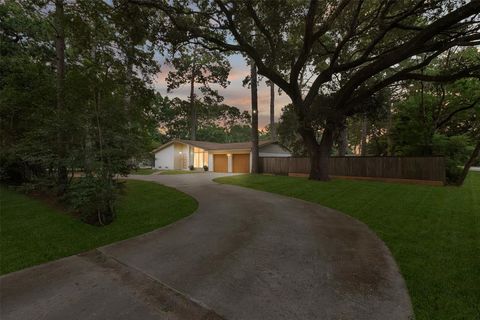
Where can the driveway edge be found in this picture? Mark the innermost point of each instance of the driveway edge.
(150, 290)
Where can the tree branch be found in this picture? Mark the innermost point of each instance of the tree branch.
(261, 26)
(411, 47)
(253, 53)
(450, 116)
(406, 74)
(307, 45)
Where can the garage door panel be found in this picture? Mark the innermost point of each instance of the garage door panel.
(241, 163)
(220, 163)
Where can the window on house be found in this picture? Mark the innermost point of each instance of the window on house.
(200, 158)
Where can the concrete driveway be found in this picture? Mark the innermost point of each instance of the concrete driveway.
(244, 254)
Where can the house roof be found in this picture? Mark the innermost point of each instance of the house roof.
(206, 145)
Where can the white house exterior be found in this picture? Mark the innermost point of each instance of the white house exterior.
(219, 157)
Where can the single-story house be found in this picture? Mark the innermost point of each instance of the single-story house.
(219, 157)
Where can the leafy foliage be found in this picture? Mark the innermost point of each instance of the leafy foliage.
(94, 198)
(287, 132)
(108, 114)
(216, 122)
(438, 119)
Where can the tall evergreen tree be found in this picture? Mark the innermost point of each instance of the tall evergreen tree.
(196, 66)
(273, 129)
(254, 99)
(59, 18)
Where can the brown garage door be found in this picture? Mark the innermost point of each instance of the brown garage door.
(241, 163)
(220, 163)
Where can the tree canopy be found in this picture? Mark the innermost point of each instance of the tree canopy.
(330, 57)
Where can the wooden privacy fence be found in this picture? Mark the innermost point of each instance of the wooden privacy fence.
(412, 168)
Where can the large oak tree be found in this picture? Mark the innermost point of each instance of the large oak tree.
(349, 49)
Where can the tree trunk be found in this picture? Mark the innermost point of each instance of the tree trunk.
(319, 152)
(470, 162)
(342, 142)
(88, 152)
(363, 136)
(60, 64)
(129, 82)
(389, 131)
(193, 106)
(273, 131)
(253, 86)
(193, 109)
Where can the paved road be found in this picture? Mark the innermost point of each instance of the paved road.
(244, 254)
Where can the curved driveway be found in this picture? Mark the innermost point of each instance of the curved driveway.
(246, 254)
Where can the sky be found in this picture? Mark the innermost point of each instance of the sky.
(235, 94)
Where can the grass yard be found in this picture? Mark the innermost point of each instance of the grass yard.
(33, 232)
(433, 232)
(145, 171)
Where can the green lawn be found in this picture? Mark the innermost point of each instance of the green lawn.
(433, 232)
(32, 232)
(145, 171)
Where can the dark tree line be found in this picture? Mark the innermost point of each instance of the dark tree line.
(76, 96)
(215, 122)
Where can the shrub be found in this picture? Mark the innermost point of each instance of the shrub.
(456, 150)
(94, 198)
(205, 168)
(191, 167)
(14, 170)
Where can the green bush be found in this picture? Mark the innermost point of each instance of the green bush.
(456, 150)
(93, 198)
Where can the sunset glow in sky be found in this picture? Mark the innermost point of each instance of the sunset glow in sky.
(235, 94)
